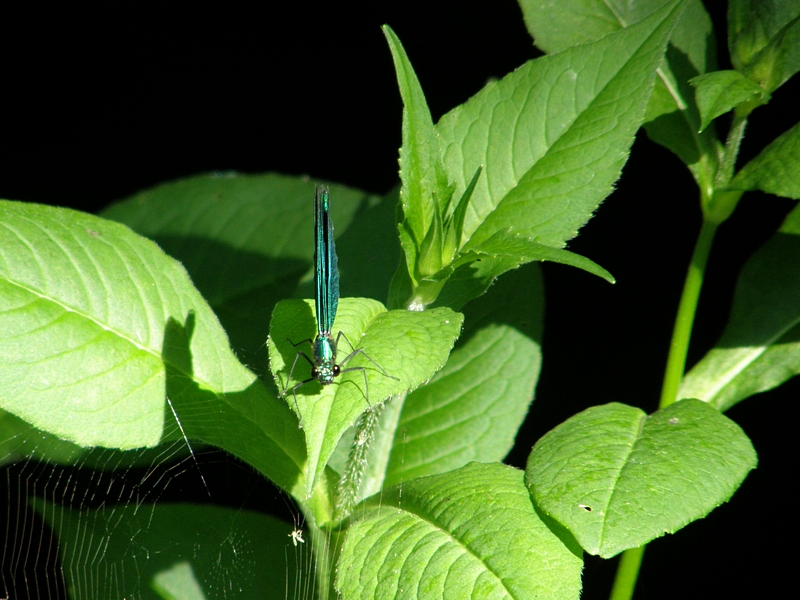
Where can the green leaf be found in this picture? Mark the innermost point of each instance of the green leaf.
(132, 550)
(457, 222)
(429, 260)
(776, 170)
(85, 307)
(425, 191)
(104, 339)
(721, 91)
(671, 119)
(617, 478)
(470, 533)
(407, 345)
(473, 408)
(19, 440)
(760, 347)
(525, 249)
(764, 40)
(553, 135)
(246, 240)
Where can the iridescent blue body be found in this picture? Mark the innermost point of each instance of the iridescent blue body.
(326, 269)
(324, 367)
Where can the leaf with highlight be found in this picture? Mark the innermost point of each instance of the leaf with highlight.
(671, 118)
(246, 241)
(760, 347)
(566, 123)
(410, 346)
(469, 533)
(776, 170)
(472, 409)
(105, 339)
(617, 478)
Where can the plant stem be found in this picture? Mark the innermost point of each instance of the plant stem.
(681, 334)
(631, 561)
(322, 559)
(627, 574)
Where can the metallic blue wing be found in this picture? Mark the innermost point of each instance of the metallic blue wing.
(326, 264)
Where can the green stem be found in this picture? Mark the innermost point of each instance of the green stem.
(681, 334)
(322, 559)
(631, 561)
(627, 574)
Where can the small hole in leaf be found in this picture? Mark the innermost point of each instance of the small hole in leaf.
(585, 507)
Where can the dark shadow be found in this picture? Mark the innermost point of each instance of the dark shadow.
(31, 565)
(196, 415)
(673, 130)
(772, 283)
(290, 344)
(242, 287)
(515, 299)
(559, 531)
(221, 271)
(369, 250)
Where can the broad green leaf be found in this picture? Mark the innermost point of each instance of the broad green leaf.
(235, 233)
(776, 170)
(18, 440)
(553, 135)
(764, 40)
(425, 190)
(104, 339)
(253, 425)
(617, 478)
(671, 119)
(760, 347)
(86, 306)
(470, 533)
(131, 551)
(246, 240)
(409, 346)
(472, 409)
(721, 91)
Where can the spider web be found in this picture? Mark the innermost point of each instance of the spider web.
(175, 521)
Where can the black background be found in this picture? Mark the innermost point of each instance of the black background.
(98, 104)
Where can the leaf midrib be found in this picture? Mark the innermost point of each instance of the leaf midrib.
(465, 548)
(116, 332)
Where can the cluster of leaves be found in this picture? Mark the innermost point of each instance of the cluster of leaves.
(108, 341)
